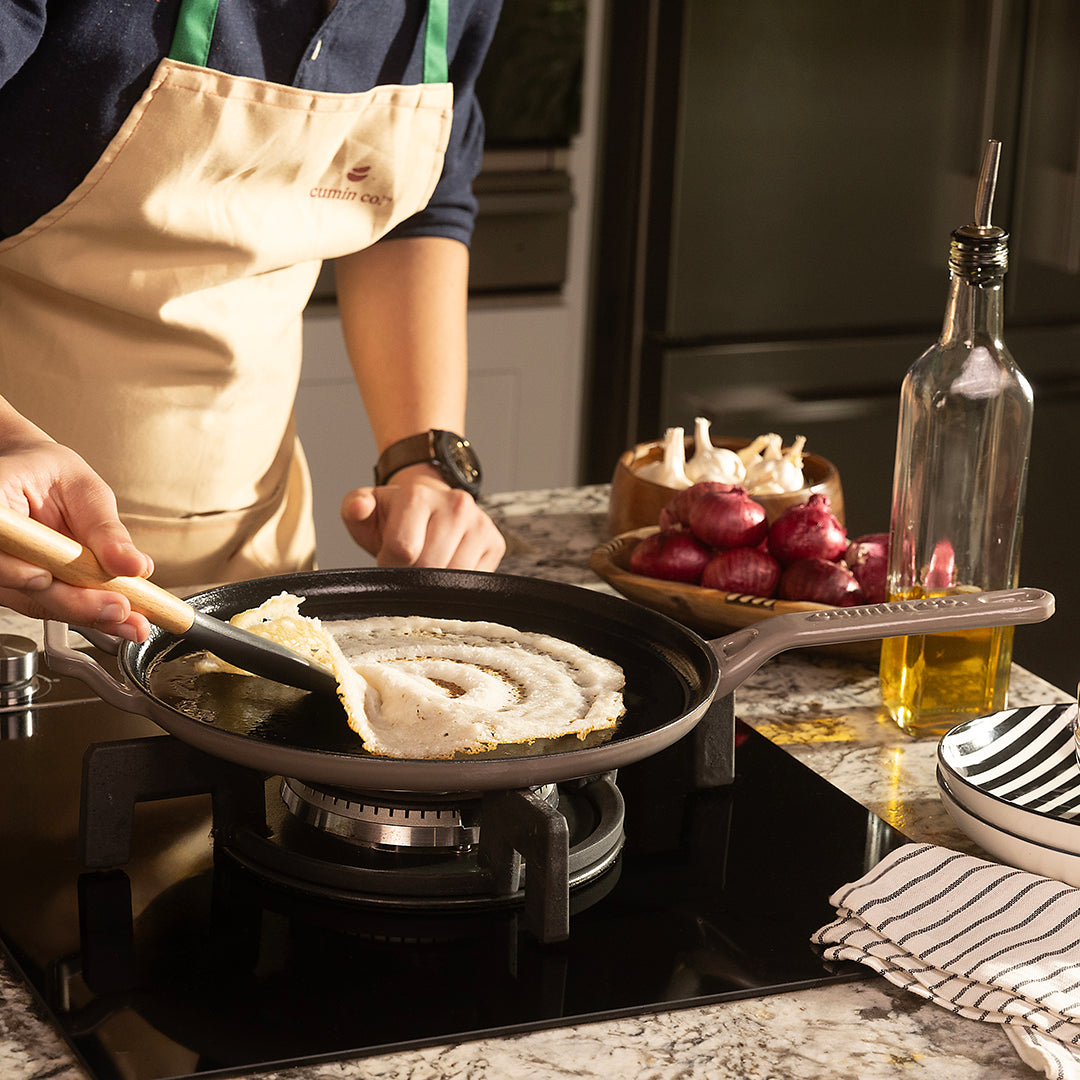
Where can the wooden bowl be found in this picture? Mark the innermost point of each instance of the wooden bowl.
(708, 612)
(636, 502)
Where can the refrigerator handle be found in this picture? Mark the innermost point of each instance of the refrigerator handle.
(1049, 195)
(1053, 222)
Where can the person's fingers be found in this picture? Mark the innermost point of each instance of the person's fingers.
(105, 611)
(423, 524)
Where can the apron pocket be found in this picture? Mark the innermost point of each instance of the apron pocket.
(191, 554)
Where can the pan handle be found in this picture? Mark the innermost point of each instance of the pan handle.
(104, 642)
(65, 660)
(742, 653)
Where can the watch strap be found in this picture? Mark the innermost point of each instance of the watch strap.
(429, 447)
(405, 452)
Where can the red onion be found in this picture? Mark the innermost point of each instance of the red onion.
(674, 556)
(809, 530)
(677, 511)
(728, 519)
(742, 570)
(822, 582)
(668, 520)
(867, 557)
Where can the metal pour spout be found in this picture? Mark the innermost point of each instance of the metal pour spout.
(984, 193)
(980, 251)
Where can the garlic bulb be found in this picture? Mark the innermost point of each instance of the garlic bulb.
(670, 470)
(712, 462)
(762, 467)
(752, 452)
(776, 471)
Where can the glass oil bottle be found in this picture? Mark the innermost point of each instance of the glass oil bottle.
(963, 440)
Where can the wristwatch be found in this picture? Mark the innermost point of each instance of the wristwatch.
(451, 454)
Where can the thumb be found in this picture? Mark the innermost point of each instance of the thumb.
(359, 512)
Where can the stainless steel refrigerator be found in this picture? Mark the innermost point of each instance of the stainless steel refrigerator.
(778, 182)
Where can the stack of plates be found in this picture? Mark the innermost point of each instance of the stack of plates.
(1011, 782)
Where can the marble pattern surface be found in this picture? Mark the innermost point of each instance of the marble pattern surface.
(825, 711)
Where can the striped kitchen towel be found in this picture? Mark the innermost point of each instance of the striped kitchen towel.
(986, 941)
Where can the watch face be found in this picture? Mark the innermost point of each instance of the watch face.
(458, 458)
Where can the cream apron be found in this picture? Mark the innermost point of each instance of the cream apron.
(152, 321)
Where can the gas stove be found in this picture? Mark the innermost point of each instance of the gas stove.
(179, 916)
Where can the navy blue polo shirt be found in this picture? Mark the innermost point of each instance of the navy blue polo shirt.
(71, 70)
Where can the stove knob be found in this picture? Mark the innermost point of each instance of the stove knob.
(18, 660)
(18, 685)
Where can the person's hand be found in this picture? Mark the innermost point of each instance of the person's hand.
(52, 484)
(417, 520)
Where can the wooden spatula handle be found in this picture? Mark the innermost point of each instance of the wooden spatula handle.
(70, 562)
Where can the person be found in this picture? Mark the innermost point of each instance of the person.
(174, 174)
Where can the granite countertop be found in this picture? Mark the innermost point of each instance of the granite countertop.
(826, 712)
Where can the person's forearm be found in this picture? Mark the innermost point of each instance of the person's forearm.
(403, 310)
(403, 307)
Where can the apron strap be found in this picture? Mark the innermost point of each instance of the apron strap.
(195, 28)
(435, 32)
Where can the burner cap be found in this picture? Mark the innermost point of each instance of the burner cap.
(389, 822)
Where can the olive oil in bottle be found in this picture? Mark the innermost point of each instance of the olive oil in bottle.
(932, 682)
(962, 445)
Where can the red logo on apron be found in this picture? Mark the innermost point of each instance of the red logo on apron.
(355, 174)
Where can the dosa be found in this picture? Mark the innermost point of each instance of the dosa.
(418, 687)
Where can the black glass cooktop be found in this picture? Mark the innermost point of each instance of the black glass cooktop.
(180, 965)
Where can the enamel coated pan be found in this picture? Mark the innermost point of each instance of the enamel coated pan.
(672, 674)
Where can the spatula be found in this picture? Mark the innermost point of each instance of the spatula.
(70, 562)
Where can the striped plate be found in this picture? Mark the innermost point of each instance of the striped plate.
(1018, 770)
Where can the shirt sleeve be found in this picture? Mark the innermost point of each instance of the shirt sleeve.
(451, 211)
(22, 22)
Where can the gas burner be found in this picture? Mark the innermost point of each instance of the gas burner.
(392, 822)
(467, 852)
(449, 852)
